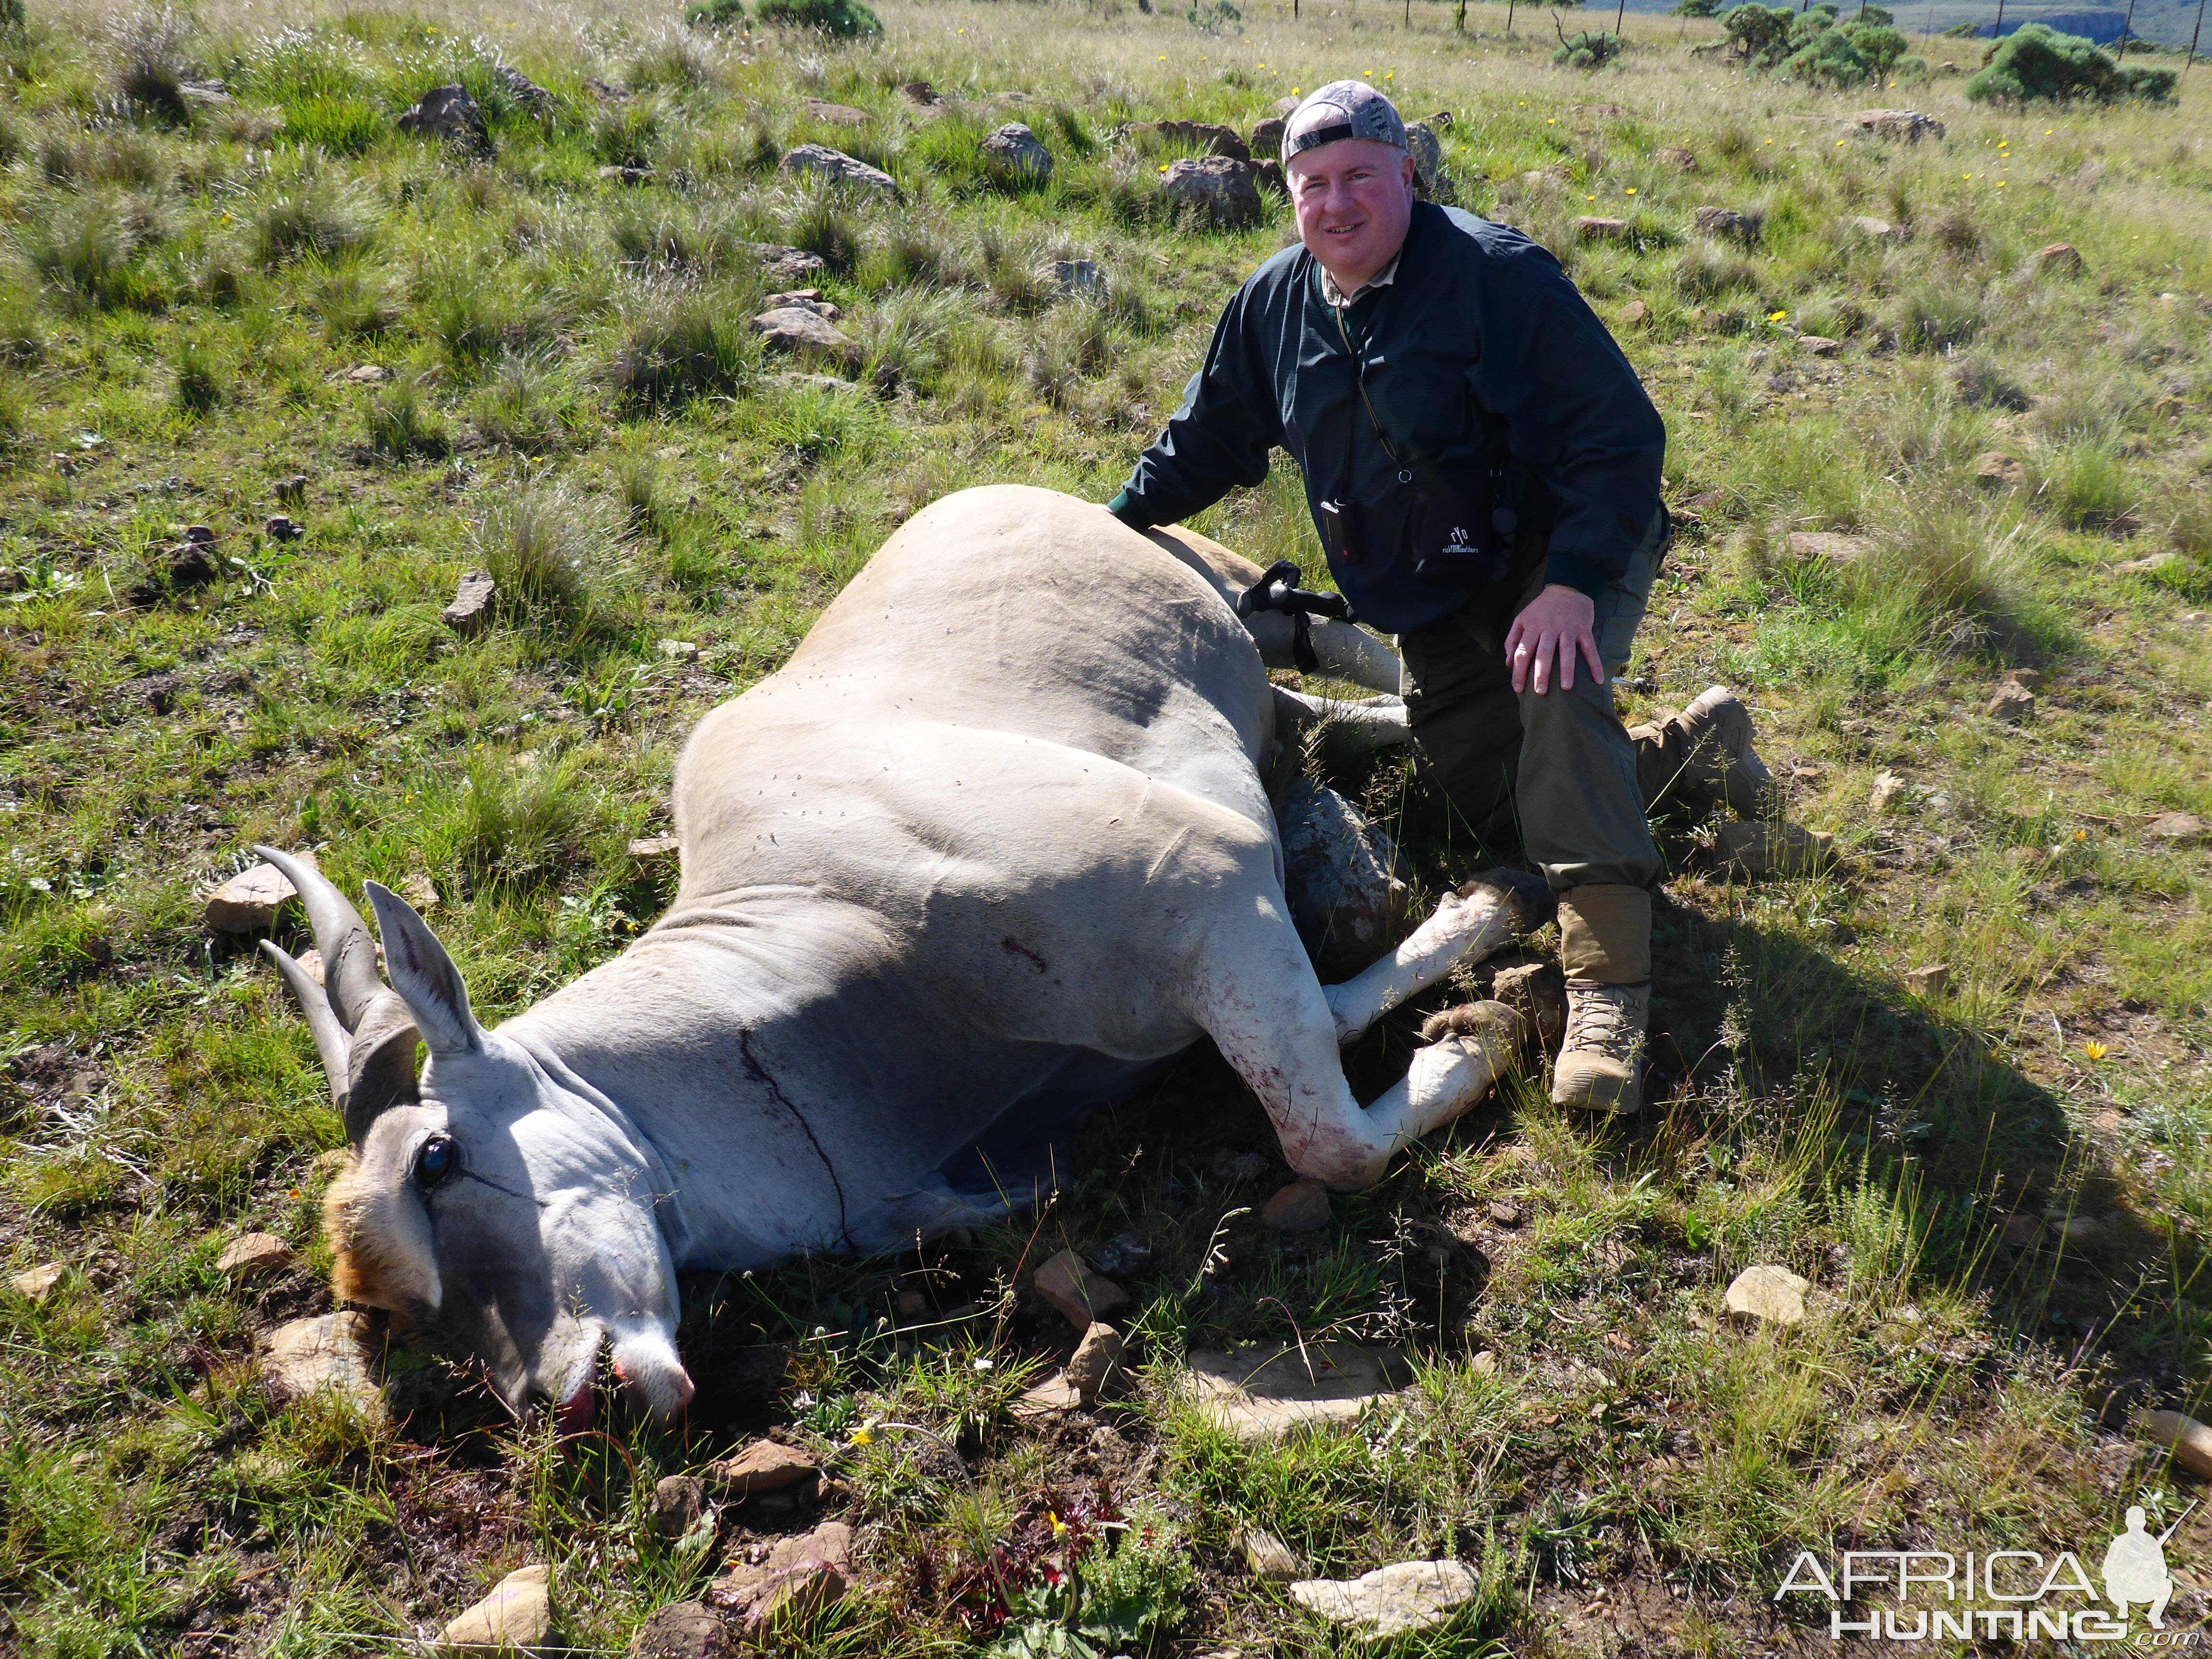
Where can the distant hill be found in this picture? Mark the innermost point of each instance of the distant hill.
(2163, 22)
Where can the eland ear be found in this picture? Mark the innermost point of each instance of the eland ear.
(424, 976)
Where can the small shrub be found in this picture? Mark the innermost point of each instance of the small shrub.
(628, 133)
(351, 305)
(672, 62)
(675, 346)
(199, 379)
(401, 423)
(152, 61)
(337, 126)
(909, 255)
(85, 252)
(825, 229)
(520, 406)
(904, 339)
(1590, 48)
(546, 545)
(1831, 58)
(1070, 348)
(1695, 9)
(1704, 272)
(466, 315)
(1760, 34)
(523, 827)
(715, 15)
(303, 219)
(2039, 64)
(845, 19)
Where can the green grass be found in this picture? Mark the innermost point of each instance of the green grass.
(575, 401)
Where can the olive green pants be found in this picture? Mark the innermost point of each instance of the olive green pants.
(1558, 773)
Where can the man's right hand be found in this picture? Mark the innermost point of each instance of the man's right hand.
(1551, 627)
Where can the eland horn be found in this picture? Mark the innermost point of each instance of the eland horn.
(362, 1029)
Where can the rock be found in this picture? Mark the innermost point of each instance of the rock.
(1829, 545)
(1340, 875)
(291, 490)
(921, 92)
(1679, 158)
(1635, 315)
(793, 330)
(1728, 222)
(833, 166)
(787, 1574)
(796, 1595)
(657, 852)
(1078, 279)
(1591, 229)
(470, 610)
(1874, 229)
(764, 1466)
(1267, 137)
(679, 650)
(1282, 108)
(1485, 1363)
(1238, 1168)
(308, 1355)
(448, 114)
(2030, 677)
(2190, 1441)
(1774, 1295)
(526, 93)
(2059, 260)
(248, 903)
(835, 115)
(418, 892)
(1263, 1393)
(1394, 1600)
(2023, 1232)
(1013, 152)
(2013, 704)
(367, 374)
(1930, 981)
(1995, 470)
(1888, 789)
(1267, 1557)
(517, 1617)
(1428, 152)
(2179, 829)
(1300, 1208)
(1504, 1212)
(683, 1630)
(678, 1501)
(2158, 561)
(787, 264)
(1820, 345)
(1098, 1361)
(1082, 1296)
(1774, 849)
(252, 1255)
(39, 1282)
(1046, 1399)
(1537, 991)
(1217, 140)
(2082, 1229)
(1269, 176)
(1909, 125)
(625, 175)
(282, 529)
(1218, 189)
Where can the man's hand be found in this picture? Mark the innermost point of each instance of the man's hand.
(1553, 626)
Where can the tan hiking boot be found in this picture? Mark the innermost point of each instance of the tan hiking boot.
(1703, 756)
(1601, 1062)
(1605, 945)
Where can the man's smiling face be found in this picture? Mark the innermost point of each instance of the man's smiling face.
(1354, 199)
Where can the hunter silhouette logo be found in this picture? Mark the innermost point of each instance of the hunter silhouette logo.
(2024, 1585)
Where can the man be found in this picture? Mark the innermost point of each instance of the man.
(1484, 468)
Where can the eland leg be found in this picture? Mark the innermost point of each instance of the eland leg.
(1481, 918)
(1365, 727)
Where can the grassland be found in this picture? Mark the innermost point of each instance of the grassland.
(572, 398)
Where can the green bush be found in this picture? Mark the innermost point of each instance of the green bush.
(1760, 34)
(11, 14)
(199, 379)
(1828, 56)
(715, 14)
(2039, 64)
(847, 19)
(1696, 8)
(1589, 50)
(1881, 46)
(679, 345)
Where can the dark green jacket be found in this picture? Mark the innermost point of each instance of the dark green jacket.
(1481, 347)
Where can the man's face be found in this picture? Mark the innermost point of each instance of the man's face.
(1354, 199)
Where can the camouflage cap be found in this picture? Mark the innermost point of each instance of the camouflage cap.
(1342, 109)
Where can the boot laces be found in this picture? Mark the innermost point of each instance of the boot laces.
(1607, 1019)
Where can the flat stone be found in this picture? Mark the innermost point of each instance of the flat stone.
(1888, 789)
(1504, 1212)
(526, 92)
(1774, 849)
(38, 1284)
(517, 1617)
(1820, 344)
(1590, 228)
(1485, 1363)
(1774, 1295)
(625, 175)
(1046, 1399)
(1635, 315)
(797, 1595)
(448, 114)
(1096, 1365)
(248, 903)
(1265, 137)
(252, 1255)
(1909, 125)
(279, 528)
(787, 264)
(2158, 561)
(848, 172)
(837, 115)
(1874, 229)
(1932, 982)
(1261, 1393)
(657, 852)
(1081, 279)
(747, 1585)
(1394, 1601)
(1219, 189)
(2183, 829)
(921, 92)
(1681, 160)
(308, 1355)
(418, 892)
(683, 1630)
(367, 374)
(1083, 1297)
(2188, 1440)
(678, 1501)
(764, 1466)
(1716, 221)
(2060, 258)
(1995, 470)
(806, 299)
(1300, 1208)
(472, 607)
(796, 331)
(1267, 1557)
(1219, 142)
(1014, 151)
(2012, 703)
(1829, 545)
(2023, 1232)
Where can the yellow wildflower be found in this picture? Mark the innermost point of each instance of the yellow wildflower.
(2095, 1049)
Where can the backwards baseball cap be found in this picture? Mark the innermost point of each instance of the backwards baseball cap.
(1342, 109)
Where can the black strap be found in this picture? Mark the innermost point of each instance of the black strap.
(1277, 589)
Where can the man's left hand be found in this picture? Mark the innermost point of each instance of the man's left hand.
(1553, 627)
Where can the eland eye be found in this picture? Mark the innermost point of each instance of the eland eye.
(435, 1164)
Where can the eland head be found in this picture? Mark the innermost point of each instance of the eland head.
(500, 1209)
